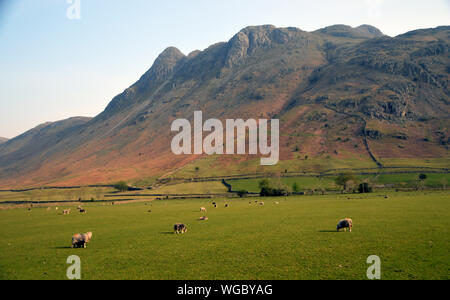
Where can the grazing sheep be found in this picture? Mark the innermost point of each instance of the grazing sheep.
(79, 207)
(83, 211)
(56, 208)
(227, 205)
(81, 240)
(48, 208)
(202, 209)
(261, 203)
(214, 203)
(179, 228)
(344, 224)
(66, 212)
(277, 203)
(203, 218)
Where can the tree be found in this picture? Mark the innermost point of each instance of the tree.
(444, 183)
(365, 188)
(121, 186)
(269, 192)
(264, 184)
(342, 180)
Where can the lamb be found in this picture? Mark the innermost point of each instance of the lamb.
(202, 209)
(66, 212)
(81, 240)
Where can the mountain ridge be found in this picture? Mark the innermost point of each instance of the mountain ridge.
(312, 81)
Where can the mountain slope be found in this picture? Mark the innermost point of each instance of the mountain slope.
(337, 92)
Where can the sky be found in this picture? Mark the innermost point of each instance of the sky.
(65, 58)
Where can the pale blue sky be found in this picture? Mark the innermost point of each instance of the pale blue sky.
(52, 68)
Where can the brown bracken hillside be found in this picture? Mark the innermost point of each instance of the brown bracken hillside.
(340, 93)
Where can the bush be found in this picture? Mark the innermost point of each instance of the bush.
(121, 186)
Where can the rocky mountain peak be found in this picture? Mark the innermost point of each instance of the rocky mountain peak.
(370, 31)
(363, 31)
(247, 41)
(164, 64)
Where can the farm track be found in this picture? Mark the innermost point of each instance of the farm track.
(364, 132)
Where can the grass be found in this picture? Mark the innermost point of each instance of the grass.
(214, 187)
(309, 182)
(85, 193)
(216, 166)
(293, 240)
(314, 182)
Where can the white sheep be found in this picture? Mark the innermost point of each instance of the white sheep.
(80, 240)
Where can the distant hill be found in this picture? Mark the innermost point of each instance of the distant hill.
(344, 96)
(3, 140)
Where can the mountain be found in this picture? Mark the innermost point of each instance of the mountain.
(345, 97)
(3, 140)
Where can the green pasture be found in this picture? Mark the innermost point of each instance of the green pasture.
(294, 239)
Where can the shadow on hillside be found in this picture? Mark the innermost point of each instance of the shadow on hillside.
(167, 232)
(328, 231)
(67, 247)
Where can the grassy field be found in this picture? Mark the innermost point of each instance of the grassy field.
(295, 239)
(327, 182)
(45, 195)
